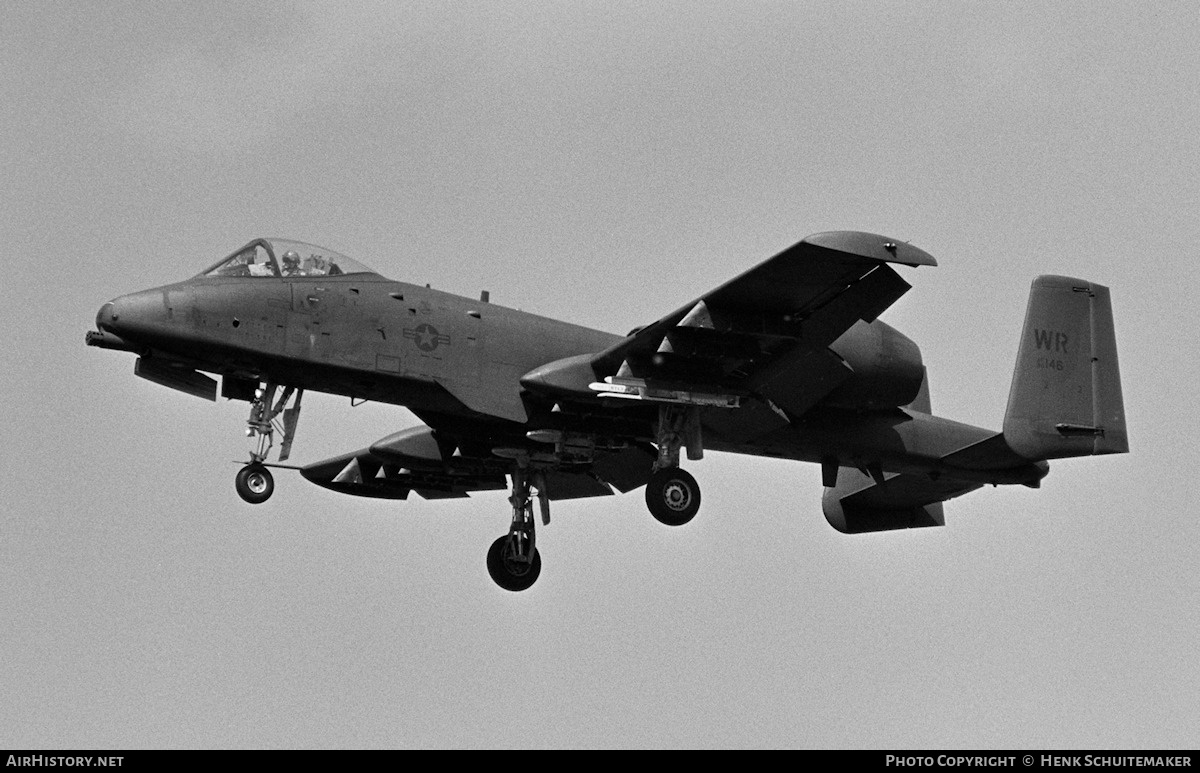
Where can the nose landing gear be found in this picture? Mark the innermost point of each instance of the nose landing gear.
(254, 482)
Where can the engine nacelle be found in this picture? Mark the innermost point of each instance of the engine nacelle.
(887, 368)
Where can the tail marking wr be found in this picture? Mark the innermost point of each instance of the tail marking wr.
(1051, 341)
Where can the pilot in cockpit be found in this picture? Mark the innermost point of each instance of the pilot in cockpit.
(291, 264)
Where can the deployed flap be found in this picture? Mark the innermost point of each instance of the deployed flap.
(560, 485)
(626, 469)
(760, 330)
(800, 378)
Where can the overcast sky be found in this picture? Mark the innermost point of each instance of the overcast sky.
(600, 162)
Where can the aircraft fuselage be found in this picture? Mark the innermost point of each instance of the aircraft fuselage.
(370, 338)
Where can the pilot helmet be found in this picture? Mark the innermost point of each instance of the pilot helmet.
(291, 257)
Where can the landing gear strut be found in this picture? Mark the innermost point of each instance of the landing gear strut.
(513, 560)
(672, 495)
(254, 482)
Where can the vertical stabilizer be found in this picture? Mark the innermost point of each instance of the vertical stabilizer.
(1065, 398)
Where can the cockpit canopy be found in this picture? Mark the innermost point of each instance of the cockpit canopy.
(285, 258)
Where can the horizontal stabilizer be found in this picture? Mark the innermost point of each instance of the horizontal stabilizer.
(859, 504)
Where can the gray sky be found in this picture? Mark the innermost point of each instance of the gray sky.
(602, 163)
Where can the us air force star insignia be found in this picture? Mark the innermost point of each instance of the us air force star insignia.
(426, 337)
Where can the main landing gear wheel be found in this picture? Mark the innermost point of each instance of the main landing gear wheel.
(673, 496)
(510, 571)
(255, 484)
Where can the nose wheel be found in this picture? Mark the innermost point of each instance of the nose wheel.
(254, 483)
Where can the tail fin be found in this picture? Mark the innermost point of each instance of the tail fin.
(1065, 398)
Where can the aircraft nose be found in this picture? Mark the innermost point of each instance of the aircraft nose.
(104, 317)
(136, 315)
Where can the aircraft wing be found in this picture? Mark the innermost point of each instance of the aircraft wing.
(374, 472)
(364, 473)
(767, 331)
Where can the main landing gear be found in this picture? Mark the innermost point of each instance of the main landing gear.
(254, 482)
(672, 494)
(513, 560)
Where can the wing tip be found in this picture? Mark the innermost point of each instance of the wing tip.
(872, 246)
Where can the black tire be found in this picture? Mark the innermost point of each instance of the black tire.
(255, 484)
(508, 573)
(673, 496)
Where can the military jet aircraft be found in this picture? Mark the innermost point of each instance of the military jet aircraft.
(787, 360)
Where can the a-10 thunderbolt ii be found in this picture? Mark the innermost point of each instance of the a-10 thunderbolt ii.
(786, 360)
